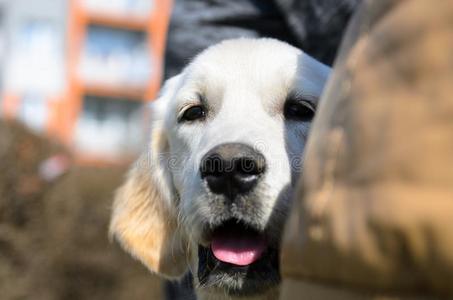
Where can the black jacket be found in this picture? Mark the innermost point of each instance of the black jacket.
(315, 26)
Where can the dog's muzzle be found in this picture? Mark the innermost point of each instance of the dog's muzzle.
(237, 255)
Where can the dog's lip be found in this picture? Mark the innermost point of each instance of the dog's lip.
(252, 279)
(235, 242)
(258, 271)
(237, 247)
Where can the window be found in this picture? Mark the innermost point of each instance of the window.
(111, 127)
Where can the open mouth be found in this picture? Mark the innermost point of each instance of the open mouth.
(239, 259)
(235, 244)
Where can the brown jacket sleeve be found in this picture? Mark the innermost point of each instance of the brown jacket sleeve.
(374, 207)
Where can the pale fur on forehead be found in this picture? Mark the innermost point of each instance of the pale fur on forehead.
(159, 106)
(248, 60)
(244, 48)
(255, 55)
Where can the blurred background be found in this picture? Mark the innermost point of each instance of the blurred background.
(80, 71)
(75, 80)
(75, 77)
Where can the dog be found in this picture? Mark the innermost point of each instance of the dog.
(212, 193)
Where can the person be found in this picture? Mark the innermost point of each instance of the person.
(315, 26)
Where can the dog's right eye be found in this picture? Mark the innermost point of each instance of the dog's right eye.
(299, 111)
(193, 113)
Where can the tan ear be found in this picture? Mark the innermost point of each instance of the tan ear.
(144, 218)
(146, 226)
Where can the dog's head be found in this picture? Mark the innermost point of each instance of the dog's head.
(213, 192)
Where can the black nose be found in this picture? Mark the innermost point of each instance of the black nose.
(232, 169)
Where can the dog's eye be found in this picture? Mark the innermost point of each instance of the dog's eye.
(193, 113)
(299, 111)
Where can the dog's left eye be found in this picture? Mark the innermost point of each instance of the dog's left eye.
(299, 111)
(193, 113)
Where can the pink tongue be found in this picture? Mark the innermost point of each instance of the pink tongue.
(238, 250)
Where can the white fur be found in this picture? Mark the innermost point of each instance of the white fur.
(245, 83)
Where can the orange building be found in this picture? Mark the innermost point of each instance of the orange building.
(111, 63)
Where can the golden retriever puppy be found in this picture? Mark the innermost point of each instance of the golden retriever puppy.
(212, 194)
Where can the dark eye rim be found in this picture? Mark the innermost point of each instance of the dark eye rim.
(183, 115)
(303, 103)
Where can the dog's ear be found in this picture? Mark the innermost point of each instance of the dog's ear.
(144, 217)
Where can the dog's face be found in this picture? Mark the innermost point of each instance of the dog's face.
(224, 155)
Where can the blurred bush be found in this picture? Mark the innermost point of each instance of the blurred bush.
(53, 235)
